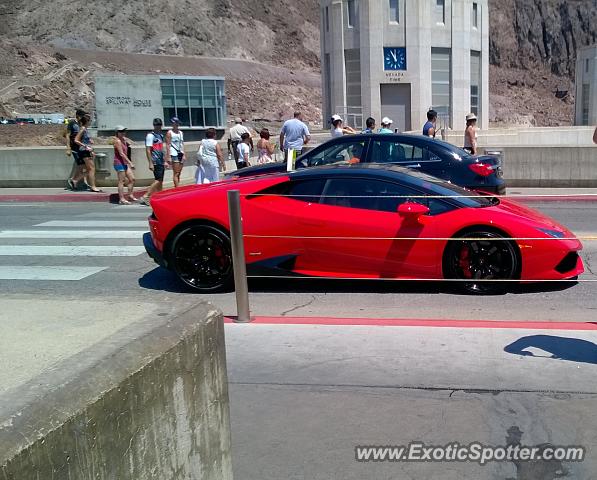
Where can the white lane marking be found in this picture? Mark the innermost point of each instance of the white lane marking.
(68, 251)
(47, 273)
(72, 233)
(94, 223)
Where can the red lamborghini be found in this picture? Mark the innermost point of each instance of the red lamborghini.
(358, 221)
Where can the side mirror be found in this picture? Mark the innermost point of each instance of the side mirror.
(412, 209)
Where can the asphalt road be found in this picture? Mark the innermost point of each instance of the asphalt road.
(136, 275)
(304, 396)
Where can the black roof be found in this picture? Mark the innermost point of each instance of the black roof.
(390, 171)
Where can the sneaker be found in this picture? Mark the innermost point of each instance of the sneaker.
(144, 201)
(71, 185)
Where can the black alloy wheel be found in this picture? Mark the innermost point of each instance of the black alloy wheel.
(201, 257)
(478, 257)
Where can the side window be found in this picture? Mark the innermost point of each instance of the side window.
(432, 156)
(307, 190)
(302, 190)
(338, 153)
(376, 195)
(384, 151)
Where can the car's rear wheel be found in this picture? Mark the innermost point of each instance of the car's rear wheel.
(481, 261)
(201, 257)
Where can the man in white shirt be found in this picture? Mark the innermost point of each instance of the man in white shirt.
(234, 139)
(242, 150)
(294, 134)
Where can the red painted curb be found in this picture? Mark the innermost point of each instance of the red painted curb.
(421, 322)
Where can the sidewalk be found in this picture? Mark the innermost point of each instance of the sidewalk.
(110, 194)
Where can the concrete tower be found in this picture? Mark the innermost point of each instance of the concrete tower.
(398, 58)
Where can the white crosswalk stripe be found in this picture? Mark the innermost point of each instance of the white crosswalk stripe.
(72, 234)
(94, 223)
(48, 273)
(86, 242)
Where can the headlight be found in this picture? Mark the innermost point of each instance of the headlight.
(552, 233)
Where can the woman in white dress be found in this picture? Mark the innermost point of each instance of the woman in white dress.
(210, 159)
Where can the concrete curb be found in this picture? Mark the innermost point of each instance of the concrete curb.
(68, 197)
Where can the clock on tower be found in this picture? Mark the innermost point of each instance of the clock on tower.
(394, 58)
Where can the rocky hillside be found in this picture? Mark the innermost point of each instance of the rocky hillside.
(533, 45)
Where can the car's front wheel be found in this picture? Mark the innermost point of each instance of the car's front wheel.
(482, 262)
(201, 257)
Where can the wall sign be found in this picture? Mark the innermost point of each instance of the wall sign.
(394, 58)
(394, 77)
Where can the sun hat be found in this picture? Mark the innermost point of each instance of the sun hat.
(386, 121)
(120, 128)
(471, 116)
(336, 117)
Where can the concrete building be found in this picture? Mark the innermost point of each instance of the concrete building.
(586, 87)
(135, 100)
(397, 58)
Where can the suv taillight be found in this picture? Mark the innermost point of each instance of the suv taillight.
(482, 169)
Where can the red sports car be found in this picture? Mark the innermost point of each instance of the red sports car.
(358, 221)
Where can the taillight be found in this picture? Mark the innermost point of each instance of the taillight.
(482, 169)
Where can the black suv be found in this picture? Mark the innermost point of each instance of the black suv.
(434, 157)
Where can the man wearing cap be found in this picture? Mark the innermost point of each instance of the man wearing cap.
(234, 139)
(429, 127)
(386, 125)
(470, 134)
(338, 127)
(154, 150)
(294, 135)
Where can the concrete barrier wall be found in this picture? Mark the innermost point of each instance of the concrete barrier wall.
(151, 406)
(30, 167)
(549, 166)
(539, 136)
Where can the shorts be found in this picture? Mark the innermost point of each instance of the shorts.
(175, 159)
(78, 160)
(158, 172)
(83, 154)
(119, 167)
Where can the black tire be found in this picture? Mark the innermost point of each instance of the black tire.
(201, 257)
(480, 259)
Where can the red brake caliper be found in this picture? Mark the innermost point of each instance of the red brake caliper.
(464, 263)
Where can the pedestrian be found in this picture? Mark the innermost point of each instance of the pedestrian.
(124, 166)
(595, 135)
(470, 134)
(429, 127)
(370, 124)
(86, 153)
(72, 128)
(243, 151)
(338, 129)
(294, 135)
(265, 148)
(154, 151)
(386, 124)
(234, 138)
(210, 159)
(175, 148)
